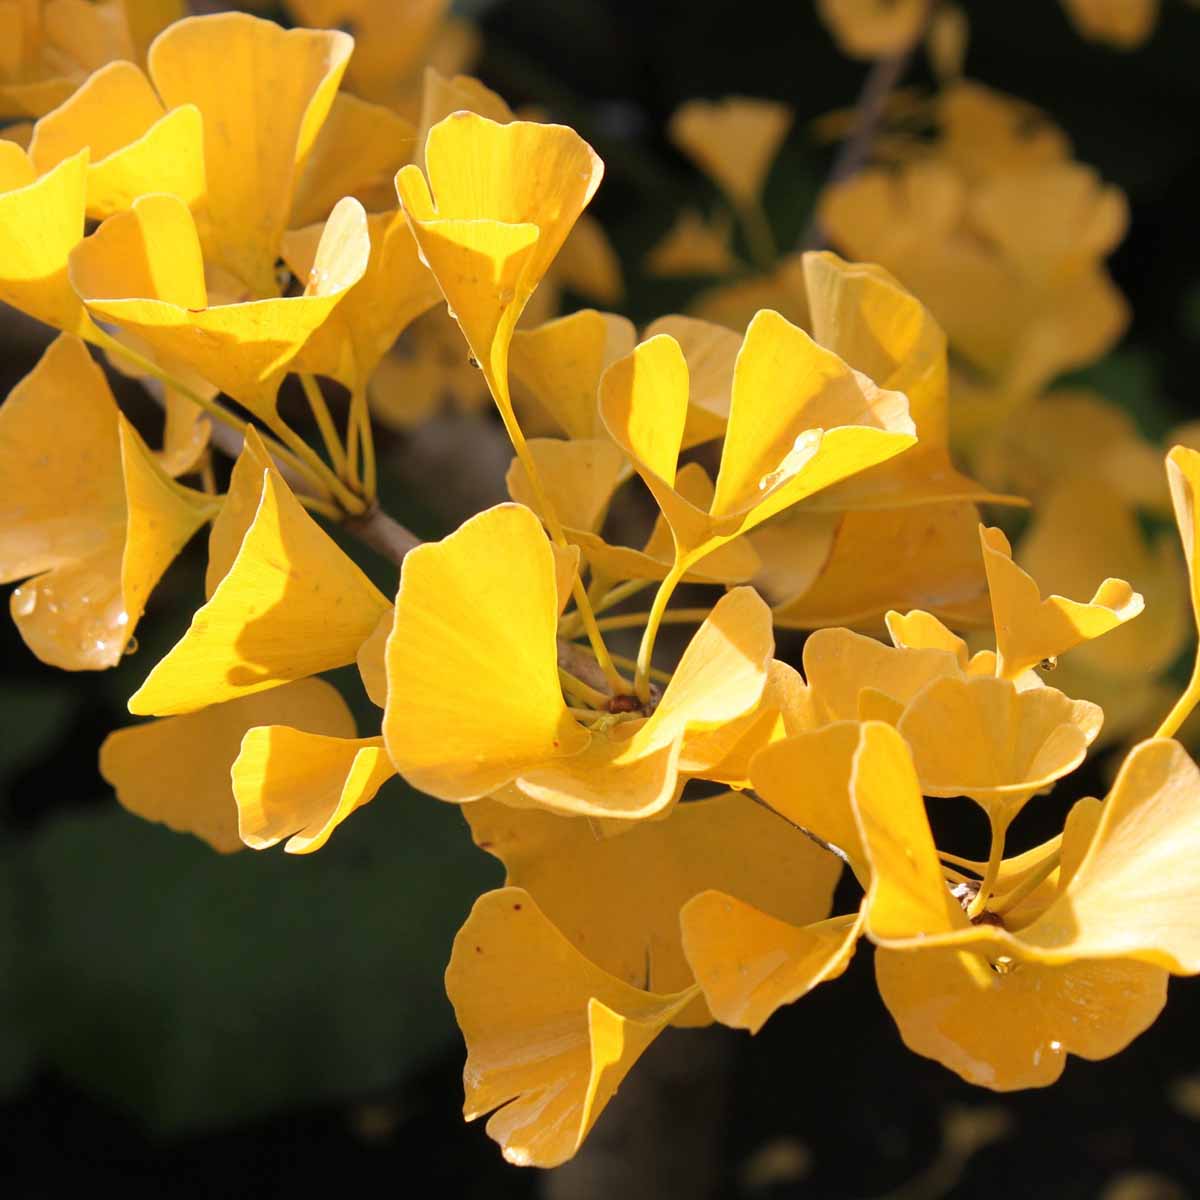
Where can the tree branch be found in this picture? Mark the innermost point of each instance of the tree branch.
(872, 103)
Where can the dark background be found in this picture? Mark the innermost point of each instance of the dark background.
(175, 1022)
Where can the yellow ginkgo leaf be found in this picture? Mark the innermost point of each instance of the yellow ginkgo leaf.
(290, 605)
(549, 1035)
(1080, 533)
(634, 769)
(1131, 894)
(984, 738)
(146, 19)
(692, 246)
(1086, 974)
(561, 362)
(459, 725)
(1125, 24)
(1018, 1032)
(1068, 434)
(588, 263)
(750, 963)
(498, 204)
(244, 349)
(186, 432)
(822, 424)
(93, 516)
(394, 290)
(710, 352)
(238, 509)
(372, 661)
(733, 141)
(473, 696)
(919, 630)
(442, 95)
(360, 148)
(295, 784)
(838, 664)
(41, 222)
(985, 132)
(617, 899)
(1030, 628)
(579, 478)
(781, 290)
(136, 145)
(391, 38)
(873, 28)
(263, 93)
(176, 770)
(1022, 300)
(1183, 476)
(726, 753)
(925, 557)
(865, 317)
(806, 779)
(907, 895)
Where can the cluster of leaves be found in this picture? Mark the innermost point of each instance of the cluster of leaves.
(672, 837)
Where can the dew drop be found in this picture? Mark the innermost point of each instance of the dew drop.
(131, 646)
(24, 602)
(474, 362)
(1049, 664)
(1003, 965)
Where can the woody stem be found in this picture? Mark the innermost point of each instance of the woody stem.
(869, 110)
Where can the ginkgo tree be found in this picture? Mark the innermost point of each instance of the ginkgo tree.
(211, 212)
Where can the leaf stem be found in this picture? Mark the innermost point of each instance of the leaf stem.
(1183, 706)
(677, 616)
(1029, 884)
(576, 689)
(214, 409)
(992, 871)
(324, 420)
(641, 679)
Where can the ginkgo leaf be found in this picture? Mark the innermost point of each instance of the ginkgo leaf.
(263, 93)
(498, 204)
(473, 697)
(561, 363)
(549, 1035)
(1030, 628)
(41, 222)
(983, 737)
(136, 146)
(93, 515)
(300, 785)
(749, 963)
(245, 349)
(176, 770)
(733, 140)
(617, 899)
(290, 605)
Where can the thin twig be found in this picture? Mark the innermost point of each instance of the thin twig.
(829, 847)
(872, 103)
